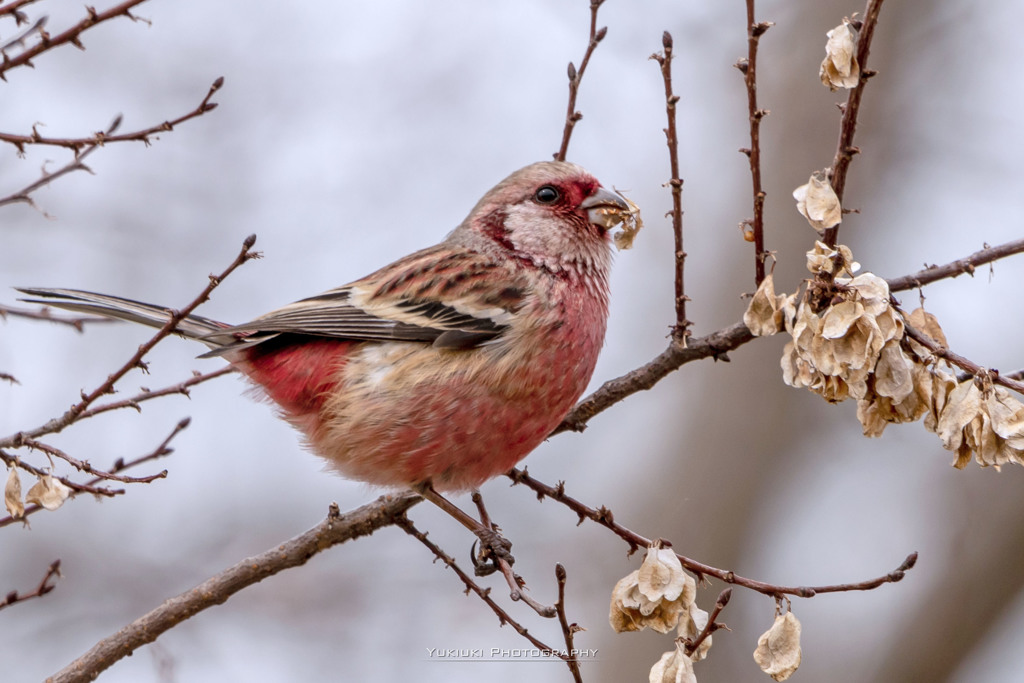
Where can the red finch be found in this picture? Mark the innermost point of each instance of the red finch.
(447, 366)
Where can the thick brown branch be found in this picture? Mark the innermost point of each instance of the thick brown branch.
(715, 345)
(336, 529)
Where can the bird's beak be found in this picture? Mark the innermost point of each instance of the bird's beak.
(605, 208)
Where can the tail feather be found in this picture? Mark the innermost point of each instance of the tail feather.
(192, 326)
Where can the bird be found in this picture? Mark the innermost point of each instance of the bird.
(446, 367)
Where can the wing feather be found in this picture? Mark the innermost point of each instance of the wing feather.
(435, 296)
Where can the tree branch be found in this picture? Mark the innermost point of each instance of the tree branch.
(101, 138)
(336, 529)
(845, 149)
(754, 229)
(57, 424)
(681, 329)
(605, 518)
(575, 76)
(965, 265)
(71, 35)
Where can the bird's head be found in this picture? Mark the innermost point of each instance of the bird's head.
(552, 215)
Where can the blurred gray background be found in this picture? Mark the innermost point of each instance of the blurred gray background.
(349, 134)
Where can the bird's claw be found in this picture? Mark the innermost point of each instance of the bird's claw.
(493, 547)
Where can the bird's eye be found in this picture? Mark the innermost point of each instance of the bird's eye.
(547, 195)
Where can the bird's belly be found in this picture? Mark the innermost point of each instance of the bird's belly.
(406, 413)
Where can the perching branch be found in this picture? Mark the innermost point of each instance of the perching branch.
(336, 529)
(484, 594)
(576, 75)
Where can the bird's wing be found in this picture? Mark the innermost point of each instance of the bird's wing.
(444, 296)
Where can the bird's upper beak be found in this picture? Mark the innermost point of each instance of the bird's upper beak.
(605, 208)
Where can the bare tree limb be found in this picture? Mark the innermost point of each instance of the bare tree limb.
(337, 528)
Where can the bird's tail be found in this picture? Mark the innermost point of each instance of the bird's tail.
(192, 326)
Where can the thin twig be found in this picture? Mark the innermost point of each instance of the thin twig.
(576, 75)
(74, 413)
(14, 9)
(515, 582)
(845, 149)
(23, 37)
(681, 329)
(568, 630)
(748, 67)
(85, 466)
(15, 461)
(960, 266)
(119, 466)
(956, 359)
(146, 395)
(484, 594)
(712, 625)
(47, 314)
(71, 35)
(101, 138)
(337, 528)
(605, 518)
(24, 195)
(42, 589)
